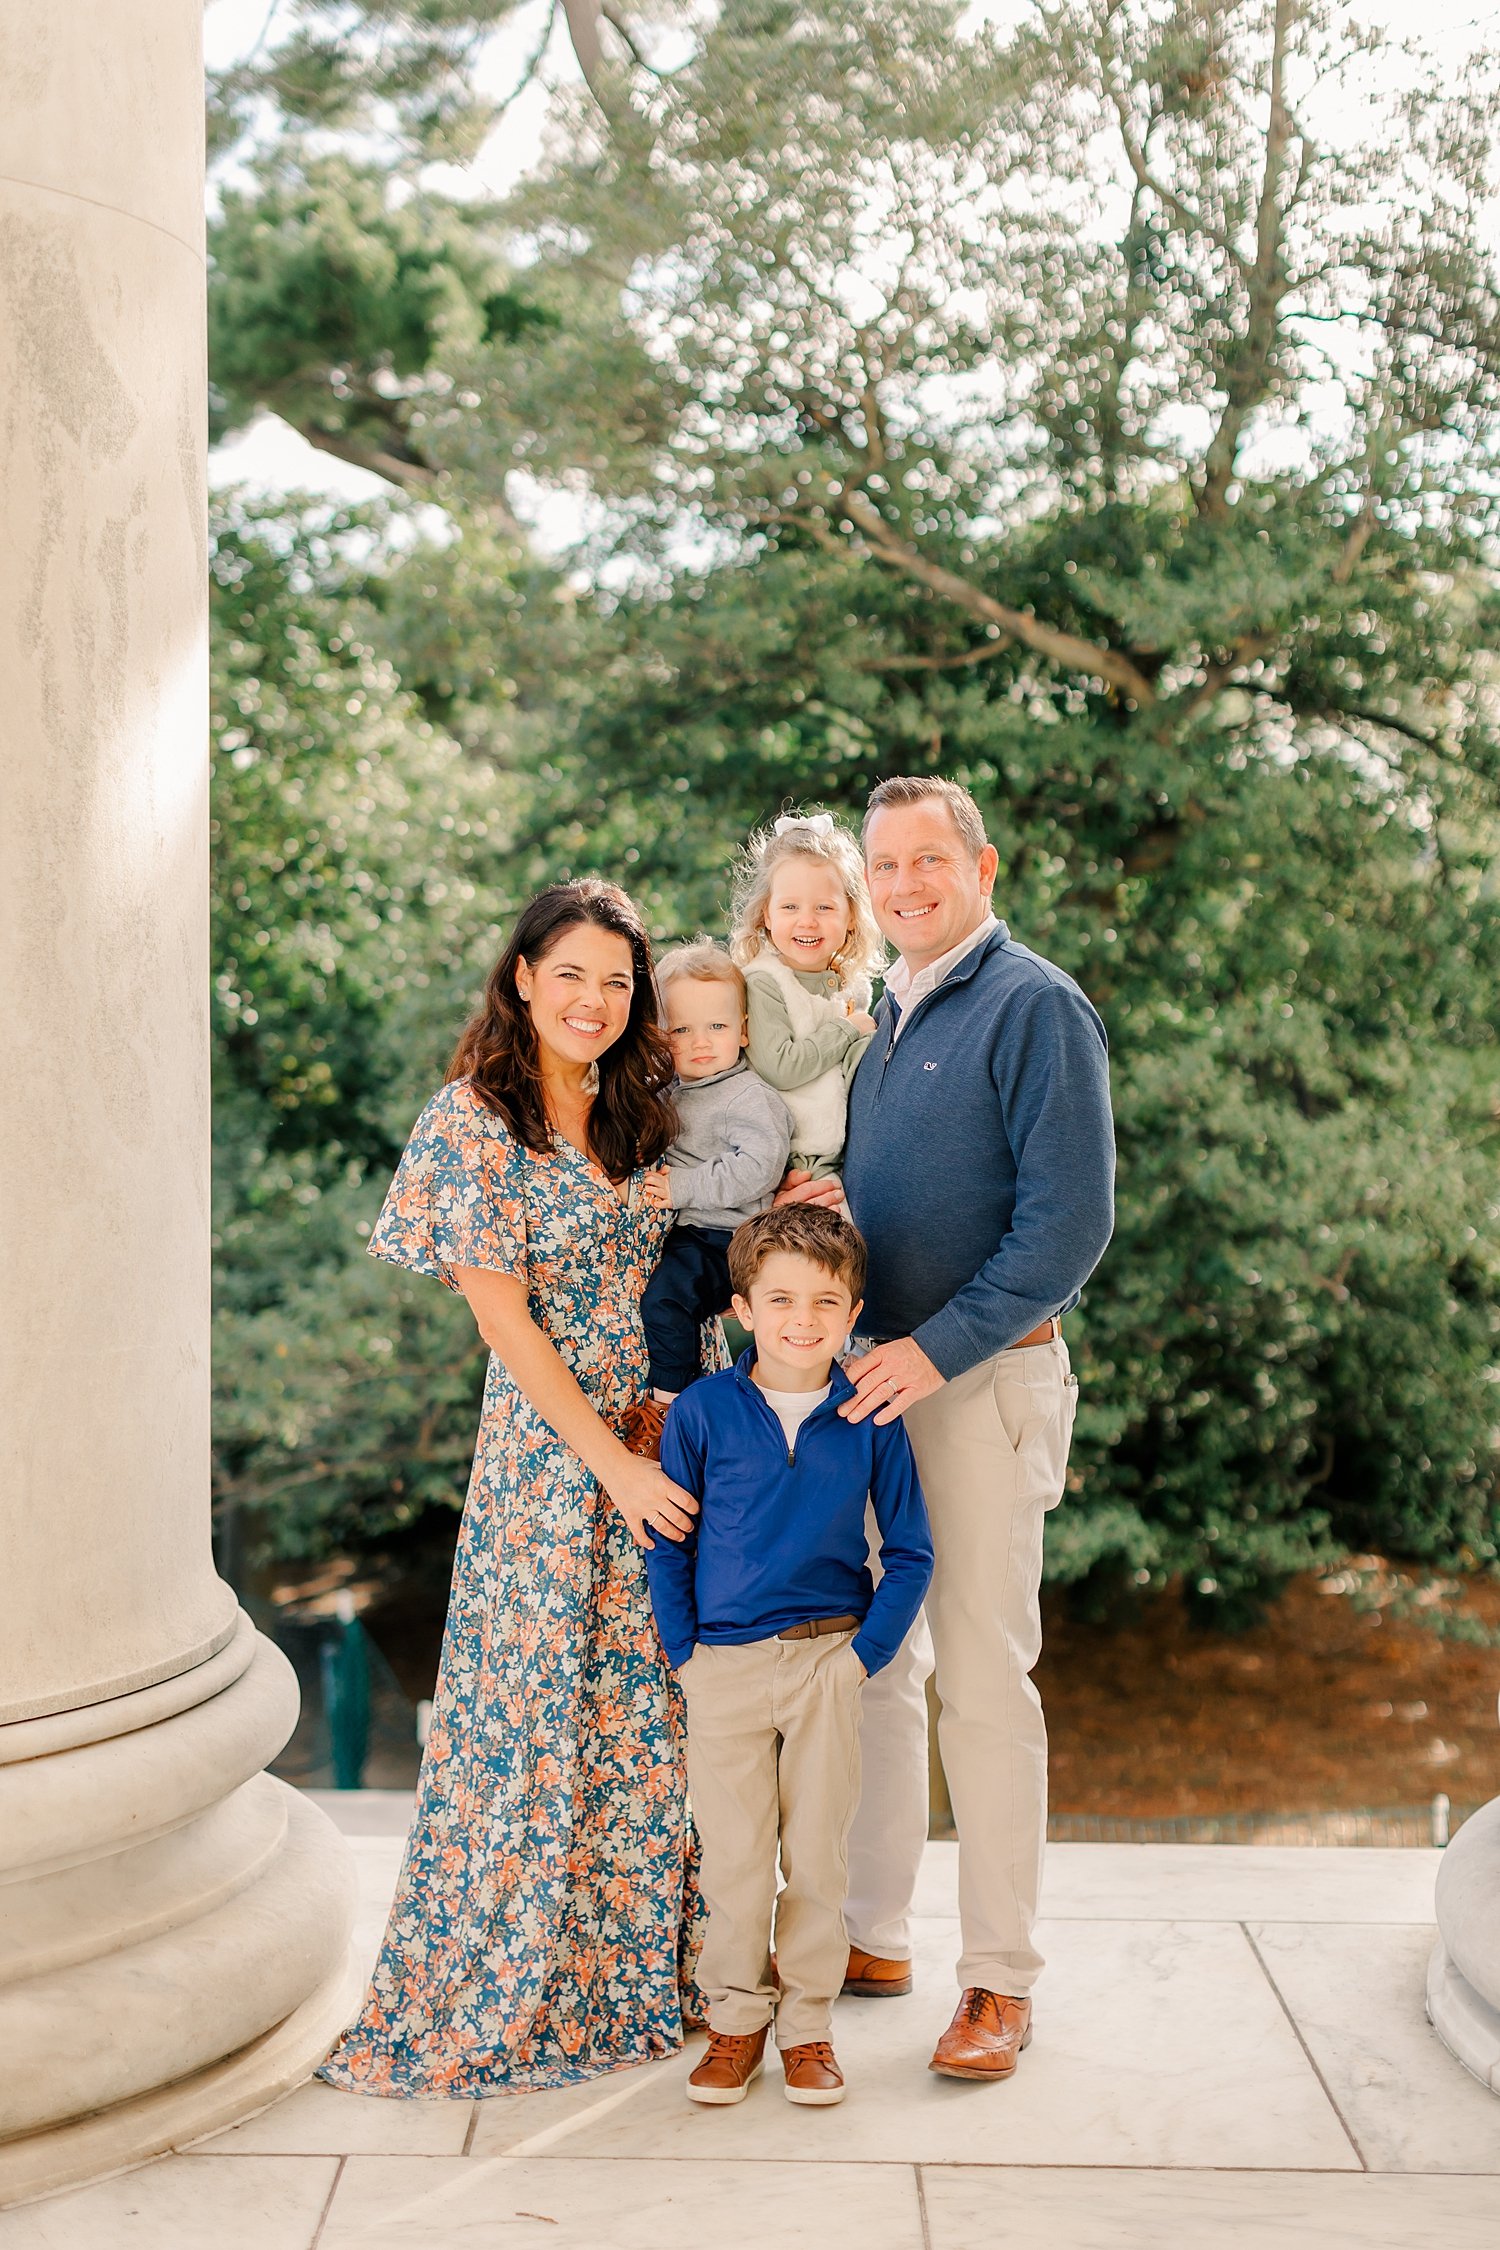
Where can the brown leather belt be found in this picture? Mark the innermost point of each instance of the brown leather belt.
(816, 1627)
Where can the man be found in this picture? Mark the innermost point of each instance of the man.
(980, 1169)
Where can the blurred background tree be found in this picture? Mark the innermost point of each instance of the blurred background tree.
(1072, 411)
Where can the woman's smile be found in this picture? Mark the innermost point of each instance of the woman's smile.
(579, 994)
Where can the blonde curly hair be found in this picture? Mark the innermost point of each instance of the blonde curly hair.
(815, 836)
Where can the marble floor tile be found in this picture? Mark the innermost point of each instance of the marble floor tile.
(1120, 1882)
(436, 2203)
(1356, 1997)
(318, 2120)
(1156, 2043)
(367, 1812)
(377, 1863)
(533, 2124)
(184, 2203)
(976, 2210)
(1228, 1882)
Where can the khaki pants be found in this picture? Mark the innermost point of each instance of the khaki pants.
(773, 1756)
(992, 1452)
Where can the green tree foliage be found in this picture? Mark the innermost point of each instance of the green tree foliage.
(1071, 414)
(418, 70)
(347, 307)
(358, 861)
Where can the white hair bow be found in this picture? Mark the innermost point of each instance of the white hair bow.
(821, 823)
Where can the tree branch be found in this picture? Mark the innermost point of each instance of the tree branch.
(935, 663)
(1354, 546)
(532, 64)
(874, 422)
(1404, 727)
(1167, 197)
(583, 30)
(614, 16)
(1218, 675)
(1070, 650)
(410, 475)
(1246, 376)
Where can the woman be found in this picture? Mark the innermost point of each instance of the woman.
(543, 1928)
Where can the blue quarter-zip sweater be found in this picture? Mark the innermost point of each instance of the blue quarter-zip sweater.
(981, 1157)
(780, 1537)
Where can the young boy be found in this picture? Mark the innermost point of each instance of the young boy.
(726, 1163)
(769, 1614)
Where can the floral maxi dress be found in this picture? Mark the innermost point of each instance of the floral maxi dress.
(545, 1924)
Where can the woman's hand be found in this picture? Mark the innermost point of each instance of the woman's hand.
(862, 1022)
(650, 1502)
(654, 1188)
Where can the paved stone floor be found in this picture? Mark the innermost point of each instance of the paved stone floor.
(1230, 2051)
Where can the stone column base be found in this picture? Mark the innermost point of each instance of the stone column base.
(1463, 1976)
(1468, 2026)
(173, 2117)
(174, 1923)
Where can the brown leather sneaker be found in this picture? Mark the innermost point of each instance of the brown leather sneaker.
(985, 2038)
(643, 1427)
(874, 1978)
(728, 2069)
(813, 2078)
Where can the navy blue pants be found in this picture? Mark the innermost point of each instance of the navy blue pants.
(689, 1286)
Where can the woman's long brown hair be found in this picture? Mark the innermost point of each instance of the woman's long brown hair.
(632, 1120)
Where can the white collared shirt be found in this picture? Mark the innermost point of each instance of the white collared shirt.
(907, 989)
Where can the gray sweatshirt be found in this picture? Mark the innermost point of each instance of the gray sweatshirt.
(731, 1148)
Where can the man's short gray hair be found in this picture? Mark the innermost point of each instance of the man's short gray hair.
(917, 789)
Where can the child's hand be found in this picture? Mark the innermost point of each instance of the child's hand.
(654, 1188)
(860, 1022)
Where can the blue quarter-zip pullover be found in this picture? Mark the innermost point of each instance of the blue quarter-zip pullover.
(780, 1537)
(981, 1158)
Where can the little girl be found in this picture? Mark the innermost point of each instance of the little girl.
(806, 939)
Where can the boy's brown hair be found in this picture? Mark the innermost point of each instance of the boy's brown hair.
(806, 1230)
(702, 962)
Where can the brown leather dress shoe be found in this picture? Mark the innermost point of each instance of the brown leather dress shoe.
(985, 2037)
(643, 1427)
(728, 2069)
(813, 2078)
(876, 1979)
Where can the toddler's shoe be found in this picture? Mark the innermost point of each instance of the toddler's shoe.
(643, 1427)
(813, 2077)
(728, 2069)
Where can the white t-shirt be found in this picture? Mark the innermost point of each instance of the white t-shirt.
(791, 1408)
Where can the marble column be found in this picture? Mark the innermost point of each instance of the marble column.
(173, 1923)
(1463, 1975)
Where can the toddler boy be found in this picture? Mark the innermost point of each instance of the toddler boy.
(770, 1616)
(734, 1132)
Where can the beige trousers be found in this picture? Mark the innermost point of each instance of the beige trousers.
(773, 1757)
(992, 1452)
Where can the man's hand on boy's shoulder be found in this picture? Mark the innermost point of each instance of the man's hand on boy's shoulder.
(801, 1187)
(890, 1379)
